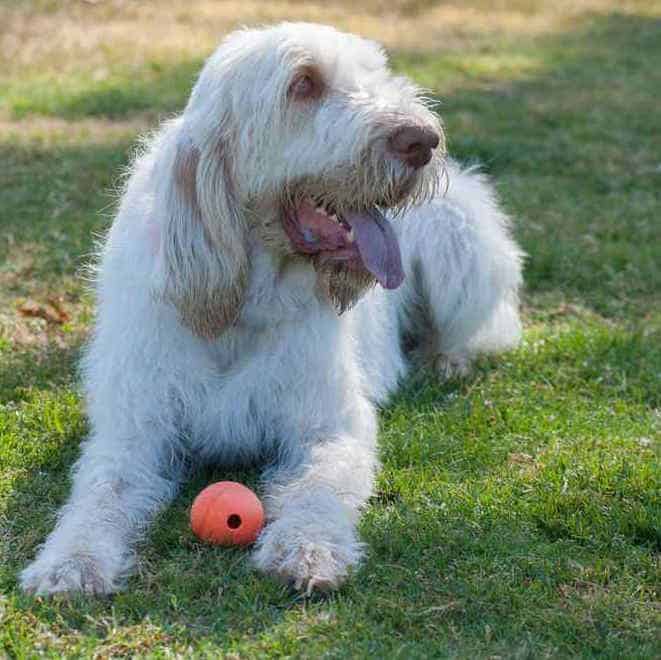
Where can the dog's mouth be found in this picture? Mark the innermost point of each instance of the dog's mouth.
(361, 239)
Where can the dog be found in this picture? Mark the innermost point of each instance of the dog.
(283, 253)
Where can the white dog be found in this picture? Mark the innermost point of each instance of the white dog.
(275, 246)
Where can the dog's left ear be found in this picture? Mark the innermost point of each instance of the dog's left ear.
(203, 238)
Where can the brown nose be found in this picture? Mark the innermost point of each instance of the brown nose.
(413, 144)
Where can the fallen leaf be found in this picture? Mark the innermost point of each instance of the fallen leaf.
(57, 303)
(51, 313)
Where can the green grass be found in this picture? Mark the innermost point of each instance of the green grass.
(518, 512)
(150, 87)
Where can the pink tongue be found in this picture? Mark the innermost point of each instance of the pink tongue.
(378, 246)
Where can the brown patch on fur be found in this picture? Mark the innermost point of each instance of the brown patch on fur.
(207, 274)
(307, 85)
(220, 311)
(185, 171)
(340, 286)
(266, 225)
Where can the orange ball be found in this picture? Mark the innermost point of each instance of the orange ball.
(227, 513)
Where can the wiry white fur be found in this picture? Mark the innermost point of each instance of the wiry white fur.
(209, 346)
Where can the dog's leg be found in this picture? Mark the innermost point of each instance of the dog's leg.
(313, 501)
(465, 273)
(117, 488)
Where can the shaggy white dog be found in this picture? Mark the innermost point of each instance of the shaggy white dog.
(277, 248)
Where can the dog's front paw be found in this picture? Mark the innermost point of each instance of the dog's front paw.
(308, 556)
(67, 575)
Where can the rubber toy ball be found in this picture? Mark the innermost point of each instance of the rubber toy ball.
(227, 513)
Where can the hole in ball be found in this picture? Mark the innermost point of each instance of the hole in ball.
(234, 521)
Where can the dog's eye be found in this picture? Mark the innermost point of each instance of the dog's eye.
(306, 85)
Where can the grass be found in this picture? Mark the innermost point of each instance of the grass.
(518, 512)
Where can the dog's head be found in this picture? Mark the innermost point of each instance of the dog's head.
(300, 137)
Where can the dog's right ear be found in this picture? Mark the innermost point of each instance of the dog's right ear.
(202, 238)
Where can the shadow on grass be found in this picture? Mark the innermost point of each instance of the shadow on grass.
(155, 90)
(570, 149)
(56, 202)
(37, 369)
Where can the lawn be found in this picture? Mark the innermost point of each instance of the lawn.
(518, 512)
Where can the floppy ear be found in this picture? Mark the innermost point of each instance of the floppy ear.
(203, 239)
